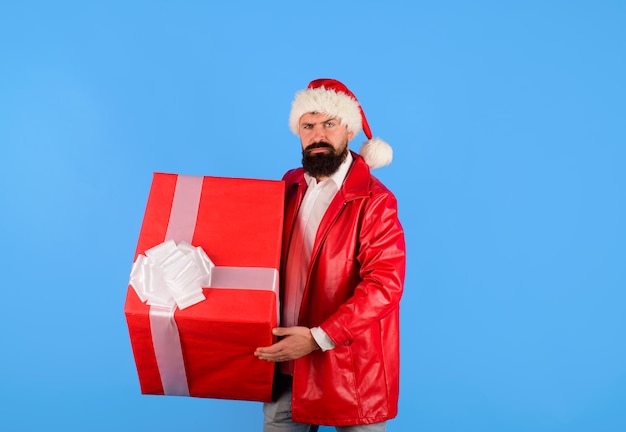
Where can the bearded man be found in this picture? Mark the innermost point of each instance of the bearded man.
(342, 275)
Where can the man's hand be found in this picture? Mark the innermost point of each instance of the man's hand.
(296, 342)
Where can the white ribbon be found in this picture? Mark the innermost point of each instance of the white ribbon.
(171, 275)
(169, 355)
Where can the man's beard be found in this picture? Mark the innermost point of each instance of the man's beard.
(322, 164)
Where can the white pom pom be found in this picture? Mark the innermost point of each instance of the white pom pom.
(376, 152)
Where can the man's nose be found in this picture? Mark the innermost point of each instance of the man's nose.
(319, 133)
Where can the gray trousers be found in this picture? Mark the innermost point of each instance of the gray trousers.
(278, 418)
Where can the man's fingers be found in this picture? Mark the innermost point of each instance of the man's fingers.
(281, 331)
(269, 351)
(274, 355)
(295, 343)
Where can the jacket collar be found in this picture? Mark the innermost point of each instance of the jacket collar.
(357, 181)
(355, 186)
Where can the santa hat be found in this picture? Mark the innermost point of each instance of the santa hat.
(331, 97)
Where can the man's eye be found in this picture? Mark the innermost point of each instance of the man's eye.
(330, 124)
(306, 126)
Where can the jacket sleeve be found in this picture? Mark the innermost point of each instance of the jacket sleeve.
(381, 256)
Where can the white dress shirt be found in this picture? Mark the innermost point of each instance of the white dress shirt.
(316, 200)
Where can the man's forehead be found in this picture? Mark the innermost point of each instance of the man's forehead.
(318, 116)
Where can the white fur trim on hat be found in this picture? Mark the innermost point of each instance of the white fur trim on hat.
(376, 153)
(326, 101)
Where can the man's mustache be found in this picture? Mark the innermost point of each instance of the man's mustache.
(321, 144)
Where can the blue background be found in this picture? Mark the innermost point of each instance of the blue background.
(507, 122)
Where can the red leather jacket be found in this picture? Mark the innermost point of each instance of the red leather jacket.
(353, 291)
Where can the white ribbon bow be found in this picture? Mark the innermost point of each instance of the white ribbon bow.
(171, 275)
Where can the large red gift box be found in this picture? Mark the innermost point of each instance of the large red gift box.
(238, 223)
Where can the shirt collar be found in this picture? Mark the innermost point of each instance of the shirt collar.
(338, 177)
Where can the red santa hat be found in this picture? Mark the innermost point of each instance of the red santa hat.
(331, 97)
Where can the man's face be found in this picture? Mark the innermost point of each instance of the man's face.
(324, 143)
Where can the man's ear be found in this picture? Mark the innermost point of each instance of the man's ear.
(350, 135)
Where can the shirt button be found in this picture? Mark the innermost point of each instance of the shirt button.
(348, 342)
